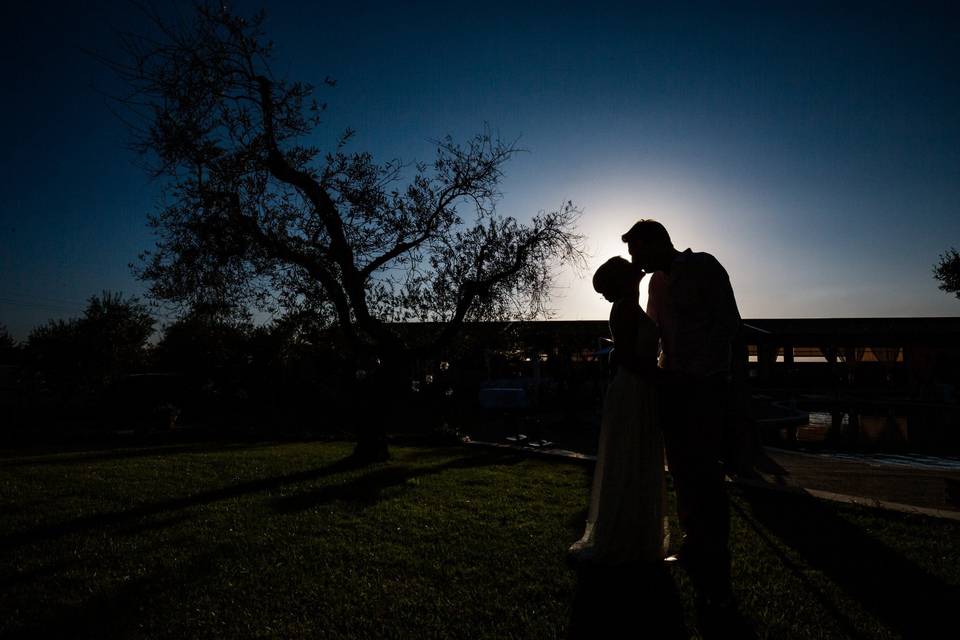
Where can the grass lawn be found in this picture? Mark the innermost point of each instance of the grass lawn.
(289, 540)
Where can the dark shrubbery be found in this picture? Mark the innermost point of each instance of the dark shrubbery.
(66, 367)
(213, 373)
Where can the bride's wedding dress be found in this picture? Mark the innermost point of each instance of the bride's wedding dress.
(627, 517)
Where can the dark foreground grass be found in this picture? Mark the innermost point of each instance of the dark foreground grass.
(293, 541)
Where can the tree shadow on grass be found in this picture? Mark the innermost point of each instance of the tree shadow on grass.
(628, 601)
(117, 612)
(60, 458)
(423, 454)
(364, 487)
(906, 598)
(129, 516)
(371, 487)
(11, 578)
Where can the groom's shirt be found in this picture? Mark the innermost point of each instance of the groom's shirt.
(697, 314)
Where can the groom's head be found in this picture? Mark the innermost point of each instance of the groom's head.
(650, 246)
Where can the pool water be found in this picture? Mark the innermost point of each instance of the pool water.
(871, 427)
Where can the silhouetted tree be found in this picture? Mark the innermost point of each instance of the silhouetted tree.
(202, 341)
(8, 347)
(209, 345)
(299, 379)
(947, 272)
(114, 331)
(53, 358)
(84, 355)
(258, 215)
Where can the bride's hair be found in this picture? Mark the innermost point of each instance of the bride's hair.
(613, 275)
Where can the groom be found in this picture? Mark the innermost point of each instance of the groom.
(692, 302)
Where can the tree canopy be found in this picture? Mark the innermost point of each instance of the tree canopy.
(8, 346)
(256, 214)
(947, 272)
(84, 355)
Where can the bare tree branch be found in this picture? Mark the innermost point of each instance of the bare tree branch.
(253, 213)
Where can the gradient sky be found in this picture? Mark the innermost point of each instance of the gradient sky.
(814, 150)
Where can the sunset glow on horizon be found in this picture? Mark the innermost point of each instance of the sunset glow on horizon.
(812, 151)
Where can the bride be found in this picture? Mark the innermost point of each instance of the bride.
(627, 516)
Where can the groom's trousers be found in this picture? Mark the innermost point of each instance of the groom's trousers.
(693, 412)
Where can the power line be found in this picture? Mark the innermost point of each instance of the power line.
(46, 306)
(61, 305)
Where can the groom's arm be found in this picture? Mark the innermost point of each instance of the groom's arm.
(654, 302)
(724, 314)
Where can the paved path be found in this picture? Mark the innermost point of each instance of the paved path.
(923, 490)
(934, 492)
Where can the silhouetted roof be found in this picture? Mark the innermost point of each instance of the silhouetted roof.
(854, 331)
(794, 331)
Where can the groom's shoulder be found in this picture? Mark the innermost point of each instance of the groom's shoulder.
(701, 257)
(705, 261)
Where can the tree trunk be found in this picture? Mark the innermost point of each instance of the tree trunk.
(378, 404)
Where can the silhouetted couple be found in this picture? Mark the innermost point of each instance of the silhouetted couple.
(669, 390)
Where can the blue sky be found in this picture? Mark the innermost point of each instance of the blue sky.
(814, 150)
